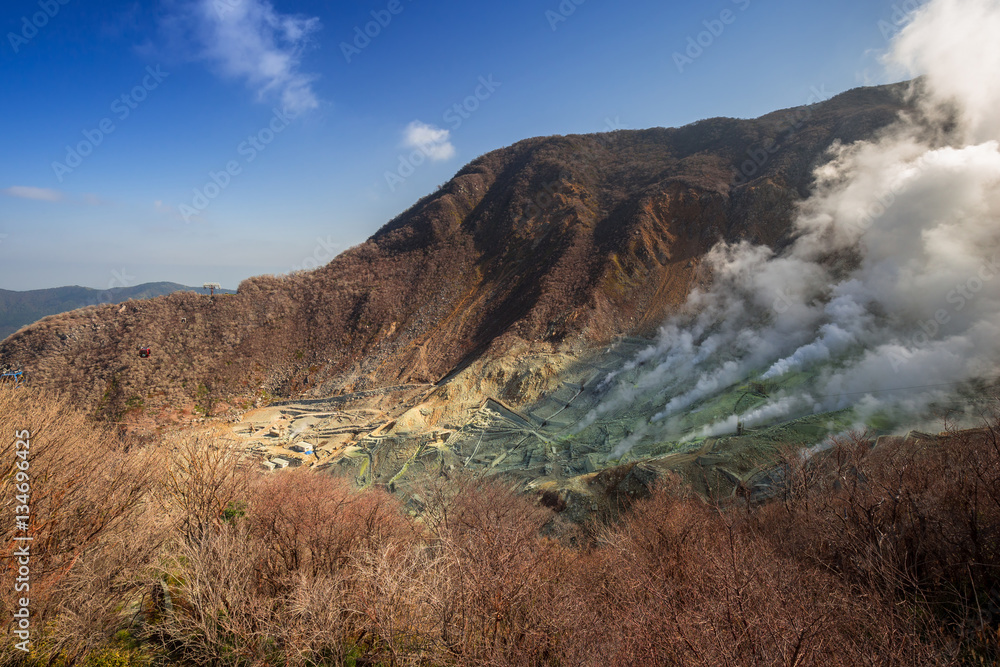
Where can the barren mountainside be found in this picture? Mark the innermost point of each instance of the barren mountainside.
(555, 243)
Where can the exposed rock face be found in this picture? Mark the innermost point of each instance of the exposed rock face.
(550, 245)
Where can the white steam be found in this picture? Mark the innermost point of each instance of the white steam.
(889, 298)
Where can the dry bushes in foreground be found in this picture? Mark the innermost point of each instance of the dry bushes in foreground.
(682, 584)
(884, 556)
(315, 574)
(916, 522)
(90, 530)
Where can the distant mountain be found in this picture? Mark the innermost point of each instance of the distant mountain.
(553, 244)
(18, 309)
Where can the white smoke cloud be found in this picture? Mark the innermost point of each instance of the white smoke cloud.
(949, 43)
(890, 295)
(778, 408)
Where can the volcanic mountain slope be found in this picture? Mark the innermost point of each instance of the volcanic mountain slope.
(554, 243)
(20, 308)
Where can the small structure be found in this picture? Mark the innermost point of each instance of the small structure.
(211, 287)
(267, 465)
(279, 463)
(13, 377)
(302, 447)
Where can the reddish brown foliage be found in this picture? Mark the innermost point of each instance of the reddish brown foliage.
(875, 556)
(550, 241)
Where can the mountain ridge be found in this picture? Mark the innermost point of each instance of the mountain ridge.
(19, 308)
(551, 244)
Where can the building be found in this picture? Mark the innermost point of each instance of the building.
(279, 463)
(302, 447)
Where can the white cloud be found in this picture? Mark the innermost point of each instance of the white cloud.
(26, 192)
(249, 40)
(432, 141)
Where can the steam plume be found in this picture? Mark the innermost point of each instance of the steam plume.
(889, 298)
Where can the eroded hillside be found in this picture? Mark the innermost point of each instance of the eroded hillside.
(552, 245)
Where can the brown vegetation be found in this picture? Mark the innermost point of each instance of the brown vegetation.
(91, 529)
(551, 243)
(886, 555)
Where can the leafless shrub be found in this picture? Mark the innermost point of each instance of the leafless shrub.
(496, 579)
(882, 555)
(683, 583)
(91, 527)
(220, 614)
(916, 521)
(314, 524)
(204, 477)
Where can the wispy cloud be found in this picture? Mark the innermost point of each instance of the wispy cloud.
(27, 192)
(251, 41)
(431, 140)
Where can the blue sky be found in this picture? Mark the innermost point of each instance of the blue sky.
(213, 140)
